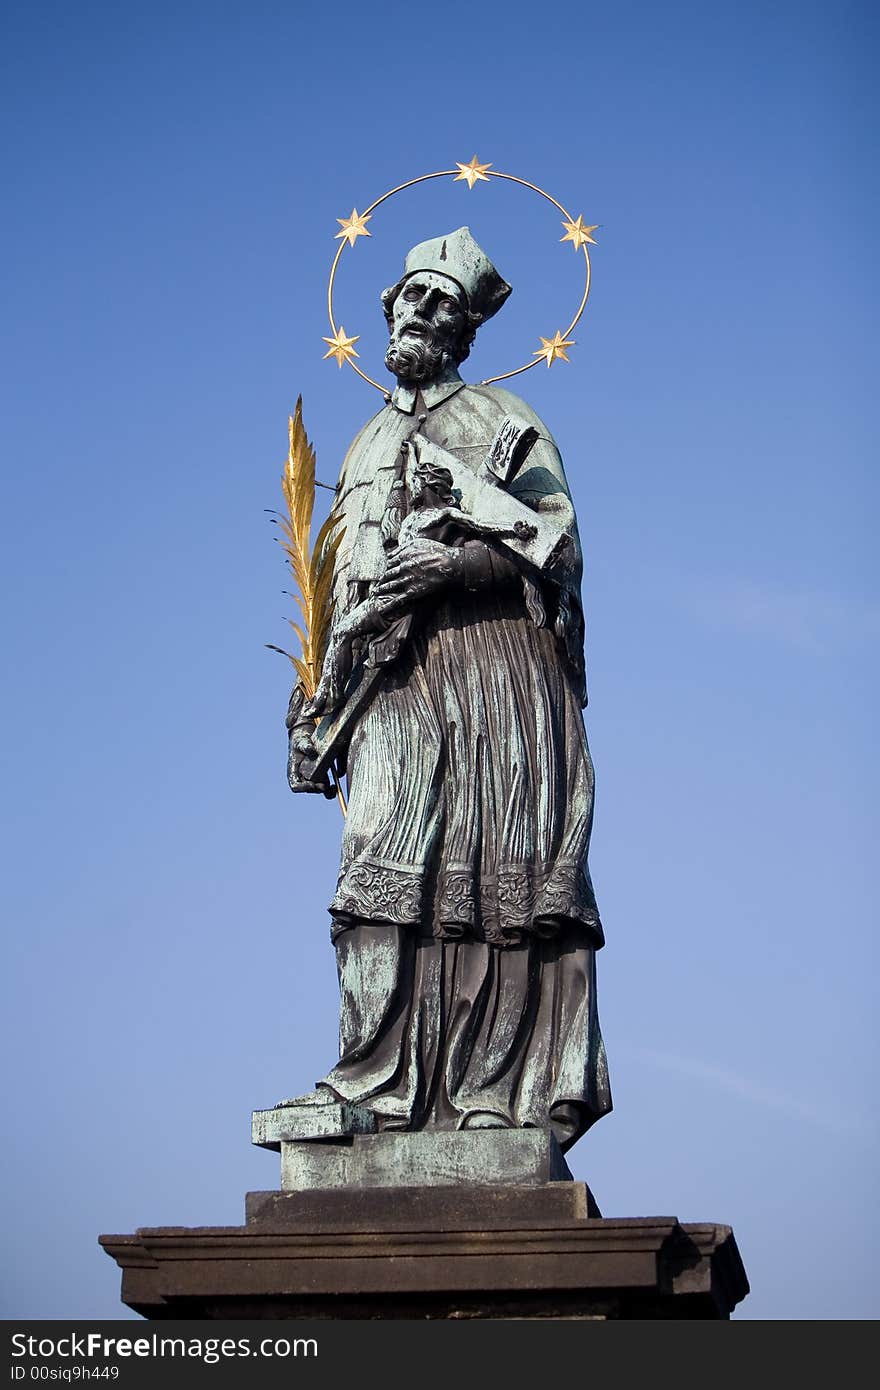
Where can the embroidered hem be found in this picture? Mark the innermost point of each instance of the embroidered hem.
(519, 901)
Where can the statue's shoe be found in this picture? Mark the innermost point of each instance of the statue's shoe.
(485, 1119)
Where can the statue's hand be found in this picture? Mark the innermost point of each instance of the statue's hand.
(420, 568)
(301, 760)
(338, 661)
(301, 753)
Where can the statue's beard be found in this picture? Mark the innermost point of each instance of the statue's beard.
(417, 358)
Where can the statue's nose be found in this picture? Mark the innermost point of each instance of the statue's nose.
(423, 308)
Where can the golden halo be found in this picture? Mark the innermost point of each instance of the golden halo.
(341, 345)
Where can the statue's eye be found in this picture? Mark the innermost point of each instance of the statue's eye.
(412, 294)
(448, 305)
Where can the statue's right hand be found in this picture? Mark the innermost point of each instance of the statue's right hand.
(326, 696)
(301, 760)
(338, 661)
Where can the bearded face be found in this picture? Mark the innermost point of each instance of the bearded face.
(428, 322)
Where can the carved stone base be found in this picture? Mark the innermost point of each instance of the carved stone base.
(490, 1157)
(309, 1118)
(432, 1252)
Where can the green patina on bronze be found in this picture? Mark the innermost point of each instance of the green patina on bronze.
(464, 918)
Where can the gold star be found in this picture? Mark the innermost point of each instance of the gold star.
(353, 227)
(341, 347)
(554, 347)
(472, 172)
(577, 233)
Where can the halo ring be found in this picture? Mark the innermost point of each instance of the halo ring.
(456, 174)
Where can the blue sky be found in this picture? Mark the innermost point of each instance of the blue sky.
(173, 176)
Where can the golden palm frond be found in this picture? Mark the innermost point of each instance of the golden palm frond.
(311, 567)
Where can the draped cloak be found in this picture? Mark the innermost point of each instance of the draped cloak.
(464, 917)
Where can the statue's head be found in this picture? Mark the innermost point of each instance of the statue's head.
(449, 287)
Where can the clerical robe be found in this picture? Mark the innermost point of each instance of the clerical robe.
(464, 918)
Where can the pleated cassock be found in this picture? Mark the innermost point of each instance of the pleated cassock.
(464, 918)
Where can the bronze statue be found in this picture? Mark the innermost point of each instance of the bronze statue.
(464, 918)
(440, 667)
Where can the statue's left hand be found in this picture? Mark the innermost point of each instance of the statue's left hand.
(420, 568)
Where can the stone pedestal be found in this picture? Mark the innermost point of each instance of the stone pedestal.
(485, 1224)
(338, 1152)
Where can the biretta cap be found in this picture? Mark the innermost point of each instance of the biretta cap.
(460, 257)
